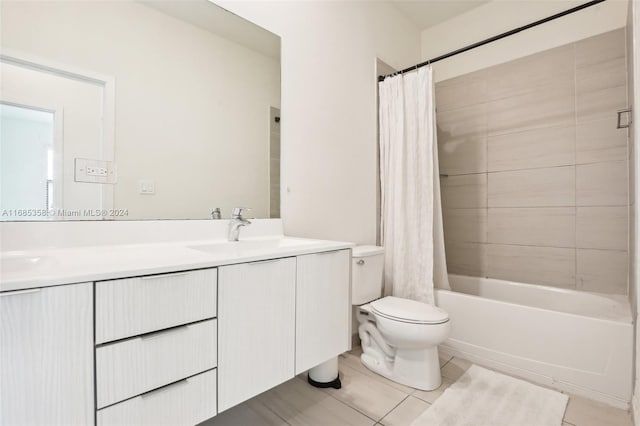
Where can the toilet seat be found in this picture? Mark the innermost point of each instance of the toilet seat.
(408, 311)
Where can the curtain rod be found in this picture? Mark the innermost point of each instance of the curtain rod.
(494, 38)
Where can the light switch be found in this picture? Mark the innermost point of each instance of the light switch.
(147, 187)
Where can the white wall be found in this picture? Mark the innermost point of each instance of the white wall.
(329, 114)
(192, 108)
(499, 16)
(78, 111)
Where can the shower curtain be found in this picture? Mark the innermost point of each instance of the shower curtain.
(411, 219)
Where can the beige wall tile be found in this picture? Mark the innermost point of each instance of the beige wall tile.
(528, 264)
(545, 226)
(464, 191)
(603, 271)
(602, 184)
(463, 155)
(599, 140)
(466, 258)
(550, 187)
(602, 227)
(462, 140)
(466, 225)
(528, 74)
(545, 147)
(462, 122)
(600, 104)
(601, 75)
(551, 105)
(543, 128)
(632, 167)
(468, 89)
(601, 48)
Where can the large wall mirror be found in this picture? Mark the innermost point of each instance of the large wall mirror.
(130, 110)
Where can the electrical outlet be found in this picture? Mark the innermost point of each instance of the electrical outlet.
(95, 171)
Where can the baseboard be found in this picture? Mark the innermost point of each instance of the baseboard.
(355, 340)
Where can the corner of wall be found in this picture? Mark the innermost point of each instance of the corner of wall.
(633, 23)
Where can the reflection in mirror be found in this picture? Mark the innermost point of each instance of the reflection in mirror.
(136, 110)
(27, 151)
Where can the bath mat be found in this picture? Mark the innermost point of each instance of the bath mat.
(485, 398)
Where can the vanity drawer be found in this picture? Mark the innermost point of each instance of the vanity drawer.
(135, 366)
(187, 403)
(134, 306)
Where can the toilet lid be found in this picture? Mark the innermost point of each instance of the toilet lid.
(406, 310)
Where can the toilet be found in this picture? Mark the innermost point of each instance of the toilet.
(400, 337)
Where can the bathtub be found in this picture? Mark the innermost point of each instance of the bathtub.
(577, 342)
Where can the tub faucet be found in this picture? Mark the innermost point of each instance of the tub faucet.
(236, 222)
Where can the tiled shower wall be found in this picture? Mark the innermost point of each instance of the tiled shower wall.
(537, 185)
(274, 163)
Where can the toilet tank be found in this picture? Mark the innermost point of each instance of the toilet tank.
(366, 270)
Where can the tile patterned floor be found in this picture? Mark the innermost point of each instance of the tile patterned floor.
(368, 399)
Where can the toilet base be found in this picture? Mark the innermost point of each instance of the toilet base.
(417, 368)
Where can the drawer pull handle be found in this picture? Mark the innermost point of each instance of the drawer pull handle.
(327, 252)
(154, 277)
(163, 332)
(15, 293)
(165, 388)
(260, 262)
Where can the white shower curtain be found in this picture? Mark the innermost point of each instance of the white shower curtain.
(411, 219)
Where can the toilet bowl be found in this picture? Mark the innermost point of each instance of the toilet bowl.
(399, 337)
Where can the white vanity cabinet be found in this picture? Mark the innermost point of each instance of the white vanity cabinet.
(156, 349)
(46, 356)
(172, 348)
(323, 307)
(256, 328)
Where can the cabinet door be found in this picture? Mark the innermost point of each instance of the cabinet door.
(46, 356)
(323, 307)
(256, 331)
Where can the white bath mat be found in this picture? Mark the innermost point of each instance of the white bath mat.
(485, 398)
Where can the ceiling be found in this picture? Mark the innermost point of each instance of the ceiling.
(427, 13)
(211, 17)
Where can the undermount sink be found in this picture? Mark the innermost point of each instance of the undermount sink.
(11, 263)
(244, 246)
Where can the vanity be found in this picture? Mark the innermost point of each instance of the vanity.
(110, 312)
(170, 332)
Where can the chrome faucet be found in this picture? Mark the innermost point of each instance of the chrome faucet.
(236, 222)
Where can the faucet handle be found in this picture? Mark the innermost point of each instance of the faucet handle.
(236, 212)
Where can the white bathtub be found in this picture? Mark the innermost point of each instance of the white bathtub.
(573, 341)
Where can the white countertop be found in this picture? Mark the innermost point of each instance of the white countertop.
(48, 267)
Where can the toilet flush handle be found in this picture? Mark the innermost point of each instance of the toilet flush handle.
(360, 262)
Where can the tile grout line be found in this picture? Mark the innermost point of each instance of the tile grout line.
(575, 170)
(351, 407)
(484, 261)
(357, 409)
(537, 246)
(523, 169)
(396, 406)
(326, 392)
